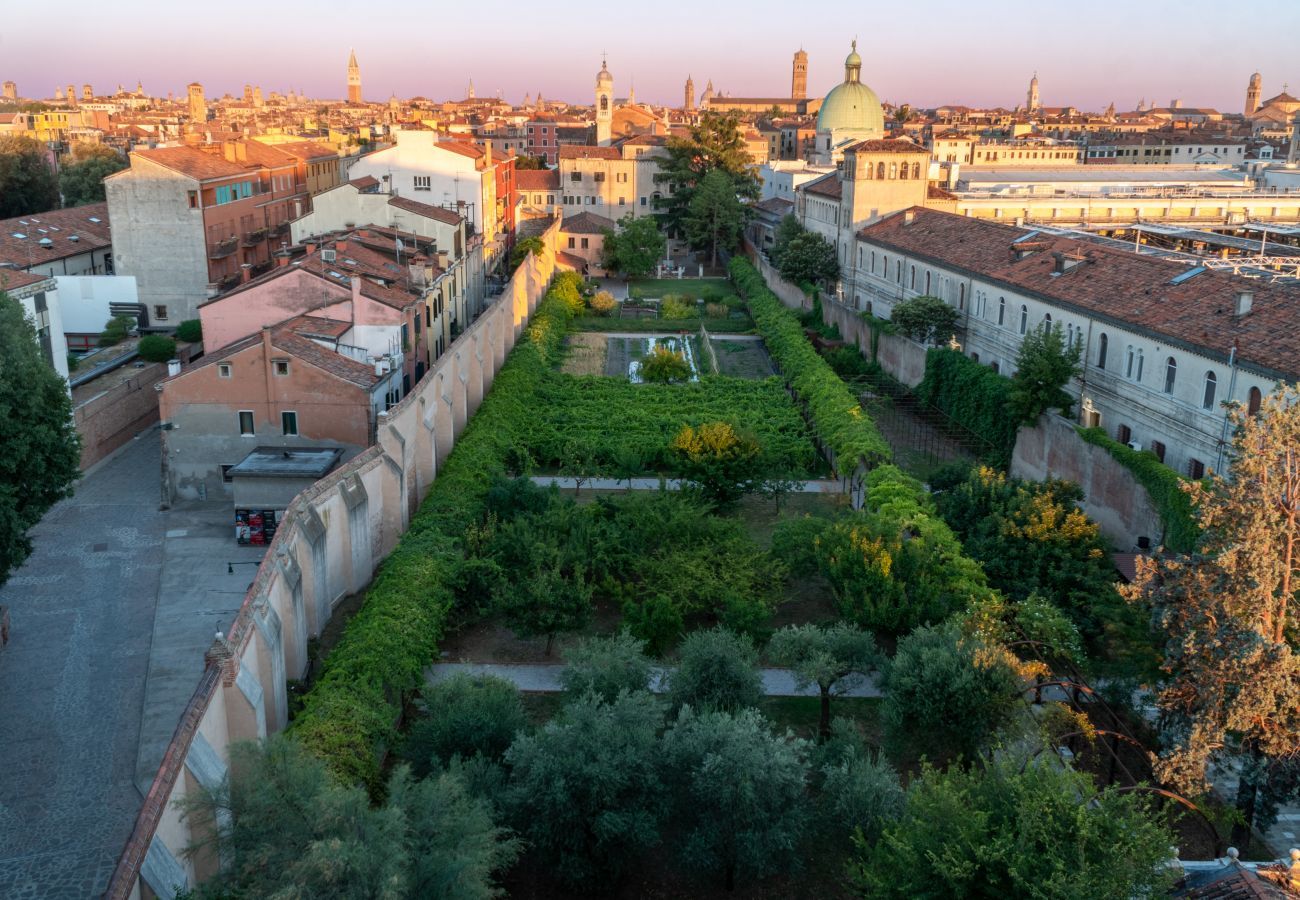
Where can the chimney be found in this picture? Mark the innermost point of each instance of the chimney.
(173, 368)
(417, 270)
(311, 247)
(341, 245)
(1245, 300)
(909, 217)
(282, 260)
(442, 260)
(487, 153)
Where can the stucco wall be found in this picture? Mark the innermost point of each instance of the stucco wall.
(329, 542)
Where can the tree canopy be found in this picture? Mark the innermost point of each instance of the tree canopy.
(834, 657)
(715, 217)
(716, 142)
(27, 182)
(809, 258)
(1045, 366)
(42, 450)
(82, 177)
(925, 319)
(634, 248)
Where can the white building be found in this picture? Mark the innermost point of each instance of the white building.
(38, 295)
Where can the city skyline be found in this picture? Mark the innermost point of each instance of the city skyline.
(967, 65)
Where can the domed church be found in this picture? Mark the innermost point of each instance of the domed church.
(850, 113)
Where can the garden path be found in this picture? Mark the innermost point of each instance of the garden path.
(545, 679)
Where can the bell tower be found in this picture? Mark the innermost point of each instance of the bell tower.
(1252, 93)
(354, 78)
(799, 76)
(604, 105)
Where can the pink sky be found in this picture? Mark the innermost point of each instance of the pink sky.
(941, 51)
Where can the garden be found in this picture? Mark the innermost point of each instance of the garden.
(665, 767)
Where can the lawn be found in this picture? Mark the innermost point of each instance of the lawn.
(708, 288)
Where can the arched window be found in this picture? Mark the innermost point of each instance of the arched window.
(916, 171)
(913, 277)
(903, 172)
(873, 262)
(1211, 387)
(1130, 361)
(1171, 373)
(1254, 401)
(961, 297)
(1141, 360)
(1024, 318)
(893, 171)
(1002, 310)
(604, 104)
(927, 282)
(1101, 352)
(1047, 323)
(880, 171)
(869, 170)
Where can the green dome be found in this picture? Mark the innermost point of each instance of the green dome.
(851, 106)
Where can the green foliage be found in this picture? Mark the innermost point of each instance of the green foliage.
(973, 395)
(190, 331)
(849, 364)
(925, 319)
(834, 657)
(606, 666)
(715, 218)
(729, 325)
(716, 669)
(42, 451)
(838, 418)
(860, 792)
(27, 182)
(1045, 366)
(635, 248)
(896, 564)
(1007, 830)
(585, 788)
(788, 229)
(809, 258)
(676, 306)
(794, 542)
(287, 830)
(522, 248)
(739, 798)
(156, 348)
(1163, 485)
(664, 365)
(115, 330)
(603, 303)
(690, 288)
(525, 162)
(723, 463)
(946, 694)
(464, 715)
(716, 143)
(81, 179)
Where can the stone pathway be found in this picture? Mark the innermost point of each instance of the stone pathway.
(672, 484)
(545, 679)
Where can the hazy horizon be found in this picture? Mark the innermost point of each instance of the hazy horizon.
(910, 55)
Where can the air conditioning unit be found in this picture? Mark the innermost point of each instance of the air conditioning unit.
(328, 256)
(1135, 445)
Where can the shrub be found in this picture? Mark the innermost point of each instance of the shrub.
(716, 310)
(723, 463)
(603, 304)
(674, 306)
(464, 716)
(946, 694)
(190, 331)
(606, 666)
(116, 330)
(663, 365)
(794, 542)
(156, 348)
(860, 794)
(925, 319)
(716, 669)
(848, 363)
(974, 395)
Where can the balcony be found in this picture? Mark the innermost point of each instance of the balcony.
(222, 249)
(253, 238)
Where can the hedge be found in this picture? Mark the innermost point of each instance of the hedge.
(837, 416)
(1163, 484)
(350, 714)
(972, 394)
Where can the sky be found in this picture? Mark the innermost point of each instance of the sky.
(922, 52)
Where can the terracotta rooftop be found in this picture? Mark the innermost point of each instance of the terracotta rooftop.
(537, 179)
(427, 210)
(365, 183)
(12, 279)
(284, 337)
(473, 151)
(192, 163)
(828, 185)
(307, 150)
(582, 151)
(778, 205)
(587, 223)
(886, 145)
(1112, 284)
(67, 231)
(318, 327)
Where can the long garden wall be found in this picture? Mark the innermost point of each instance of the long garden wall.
(331, 540)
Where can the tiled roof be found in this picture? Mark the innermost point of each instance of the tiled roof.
(365, 183)
(887, 145)
(193, 163)
(284, 337)
(537, 179)
(587, 223)
(318, 327)
(778, 205)
(581, 151)
(1116, 285)
(12, 279)
(307, 150)
(427, 210)
(473, 151)
(934, 192)
(828, 185)
(69, 232)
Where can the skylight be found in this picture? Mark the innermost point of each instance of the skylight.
(1025, 237)
(95, 219)
(19, 235)
(1187, 276)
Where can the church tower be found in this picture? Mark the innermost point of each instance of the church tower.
(198, 108)
(799, 76)
(1252, 93)
(354, 78)
(604, 105)
(1031, 100)
(690, 95)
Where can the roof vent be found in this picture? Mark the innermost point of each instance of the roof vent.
(1245, 300)
(74, 238)
(46, 242)
(909, 217)
(328, 255)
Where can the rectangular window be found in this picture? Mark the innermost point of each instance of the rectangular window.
(281, 366)
(1159, 450)
(575, 176)
(424, 182)
(572, 243)
(1195, 469)
(622, 201)
(584, 244)
(194, 199)
(1124, 434)
(246, 422)
(289, 423)
(160, 313)
(223, 370)
(225, 474)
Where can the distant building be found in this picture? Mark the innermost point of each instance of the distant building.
(10, 91)
(799, 76)
(689, 104)
(1253, 89)
(354, 79)
(1032, 103)
(604, 106)
(851, 113)
(539, 192)
(198, 109)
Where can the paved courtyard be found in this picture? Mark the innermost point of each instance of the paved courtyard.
(73, 679)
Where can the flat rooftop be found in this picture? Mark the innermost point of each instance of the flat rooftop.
(1113, 175)
(287, 462)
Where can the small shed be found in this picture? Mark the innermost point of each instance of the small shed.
(267, 479)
